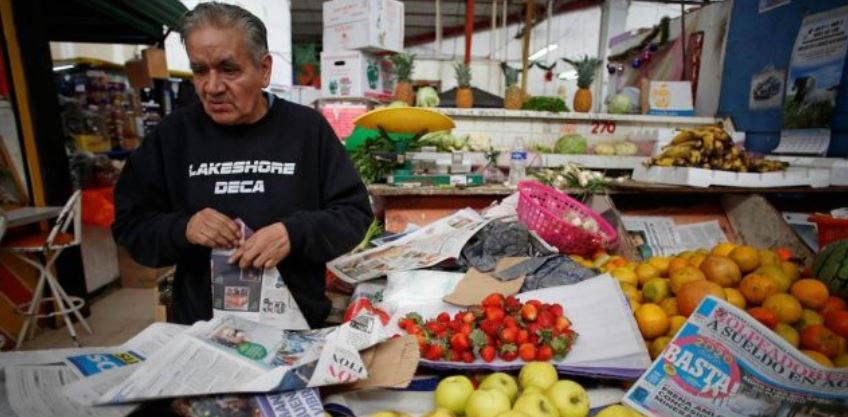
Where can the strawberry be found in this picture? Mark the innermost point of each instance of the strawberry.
(403, 323)
(556, 310)
(508, 352)
(512, 304)
(495, 313)
(490, 327)
(562, 324)
(545, 319)
(434, 352)
(436, 328)
(465, 329)
(487, 353)
(522, 336)
(510, 321)
(469, 317)
(467, 357)
(545, 336)
(478, 339)
(414, 329)
(527, 352)
(460, 342)
(561, 344)
(493, 300)
(455, 356)
(535, 303)
(508, 334)
(415, 317)
(529, 312)
(443, 317)
(456, 325)
(544, 353)
(533, 329)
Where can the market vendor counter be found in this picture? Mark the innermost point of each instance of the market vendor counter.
(423, 205)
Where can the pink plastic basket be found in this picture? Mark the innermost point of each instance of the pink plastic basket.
(542, 209)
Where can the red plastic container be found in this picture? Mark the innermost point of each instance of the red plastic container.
(542, 209)
(830, 228)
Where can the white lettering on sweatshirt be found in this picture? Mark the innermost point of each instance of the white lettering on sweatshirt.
(206, 169)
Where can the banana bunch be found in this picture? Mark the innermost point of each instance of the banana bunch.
(710, 147)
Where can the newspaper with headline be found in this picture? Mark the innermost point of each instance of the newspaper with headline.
(233, 355)
(661, 236)
(723, 362)
(427, 246)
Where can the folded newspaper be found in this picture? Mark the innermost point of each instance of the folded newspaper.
(661, 236)
(234, 355)
(254, 293)
(428, 246)
(723, 362)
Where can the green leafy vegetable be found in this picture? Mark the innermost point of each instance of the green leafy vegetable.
(554, 104)
(571, 144)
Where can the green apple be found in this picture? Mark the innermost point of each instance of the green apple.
(503, 382)
(487, 403)
(452, 393)
(540, 374)
(389, 413)
(440, 412)
(512, 413)
(532, 388)
(615, 411)
(633, 412)
(569, 397)
(535, 404)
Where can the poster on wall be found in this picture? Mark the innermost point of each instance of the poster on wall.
(766, 5)
(815, 70)
(767, 89)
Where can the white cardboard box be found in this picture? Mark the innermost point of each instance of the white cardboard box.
(355, 74)
(670, 98)
(699, 177)
(370, 25)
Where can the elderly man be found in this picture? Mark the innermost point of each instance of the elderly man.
(243, 154)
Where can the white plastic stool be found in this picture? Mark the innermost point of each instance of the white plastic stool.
(50, 245)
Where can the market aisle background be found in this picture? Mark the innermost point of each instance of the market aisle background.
(116, 316)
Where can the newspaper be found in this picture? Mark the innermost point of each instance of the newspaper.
(233, 355)
(661, 236)
(63, 381)
(254, 293)
(301, 403)
(723, 362)
(428, 246)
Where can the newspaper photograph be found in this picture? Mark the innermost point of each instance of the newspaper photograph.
(301, 403)
(233, 355)
(66, 381)
(427, 246)
(723, 362)
(661, 236)
(254, 293)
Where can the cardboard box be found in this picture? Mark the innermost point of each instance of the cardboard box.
(355, 74)
(670, 98)
(370, 25)
(155, 62)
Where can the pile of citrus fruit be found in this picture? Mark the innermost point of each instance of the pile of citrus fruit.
(664, 291)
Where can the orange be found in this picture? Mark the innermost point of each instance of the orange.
(721, 270)
(686, 255)
(746, 257)
(788, 333)
(675, 323)
(684, 275)
(756, 288)
(808, 318)
(764, 316)
(723, 249)
(812, 293)
(646, 272)
(625, 275)
(652, 321)
(841, 361)
(838, 322)
(768, 257)
(791, 269)
(676, 265)
(691, 294)
(669, 305)
(735, 297)
(821, 339)
(631, 292)
(777, 275)
(786, 307)
(661, 263)
(832, 303)
(658, 345)
(656, 290)
(697, 259)
(818, 357)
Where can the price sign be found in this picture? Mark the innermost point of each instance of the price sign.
(601, 127)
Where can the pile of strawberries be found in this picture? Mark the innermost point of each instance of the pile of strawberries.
(502, 327)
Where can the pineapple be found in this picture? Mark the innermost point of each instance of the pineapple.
(464, 97)
(513, 96)
(586, 68)
(404, 64)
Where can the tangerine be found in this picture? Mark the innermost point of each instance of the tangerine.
(676, 265)
(652, 320)
(819, 358)
(735, 297)
(646, 272)
(756, 288)
(746, 257)
(686, 274)
(691, 294)
(721, 270)
(788, 333)
(669, 305)
(808, 318)
(661, 263)
(674, 324)
(723, 249)
(786, 307)
(812, 293)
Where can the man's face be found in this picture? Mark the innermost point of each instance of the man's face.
(227, 80)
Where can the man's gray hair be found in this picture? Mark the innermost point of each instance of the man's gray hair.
(224, 16)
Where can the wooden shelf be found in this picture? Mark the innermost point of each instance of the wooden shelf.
(575, 116)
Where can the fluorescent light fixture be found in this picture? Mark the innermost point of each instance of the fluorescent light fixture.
(62, 68)
(568, 75)
(542, 52)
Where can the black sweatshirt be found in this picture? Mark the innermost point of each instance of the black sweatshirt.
(287, 167)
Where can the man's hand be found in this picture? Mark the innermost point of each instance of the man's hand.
(210, 228)
(265, 249)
